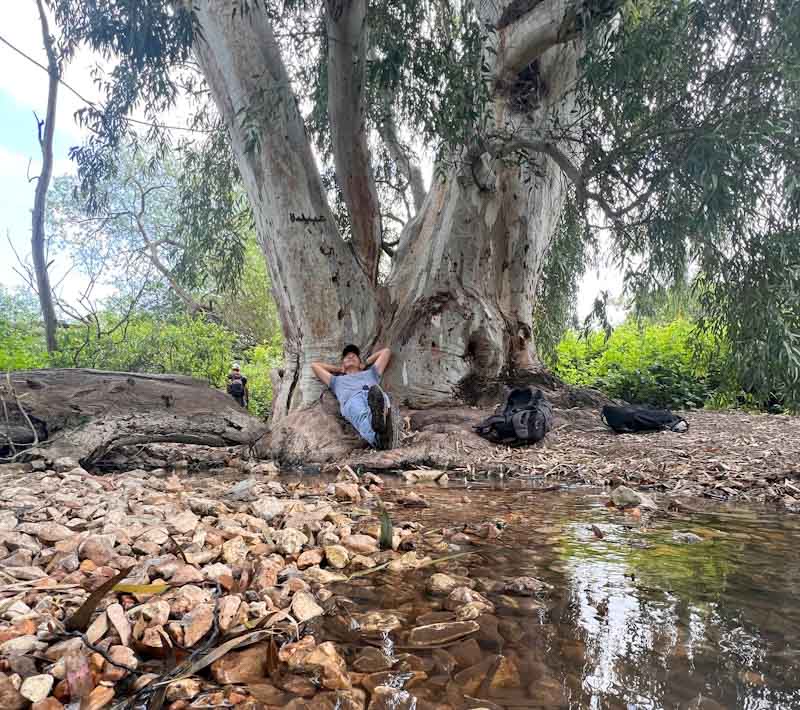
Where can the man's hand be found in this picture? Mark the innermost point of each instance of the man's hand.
(380, 359)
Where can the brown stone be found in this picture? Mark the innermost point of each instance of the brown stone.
(186, 574)
(184, 689)
(228, 612)
(360, 544)
(436, 634)
(116, 615)
(386, 698)
(267, 693)
(246, 666)
(197, 623)
(50, 703)
(409, 679)
(309, 558)
(467, 653)
(305, 607)
(122, 655)
(99, 698)
(372, 660)
(470, 679)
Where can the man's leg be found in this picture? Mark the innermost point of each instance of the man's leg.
(385, 419)
(357, 412)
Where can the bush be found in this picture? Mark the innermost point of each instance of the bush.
(665, 365)
(147, 343)
(22, 344)
(256, 367)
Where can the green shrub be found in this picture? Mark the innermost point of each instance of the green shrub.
(258, 363)
(22, 345)
(665, 365)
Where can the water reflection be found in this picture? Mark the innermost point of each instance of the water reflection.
(636, 620)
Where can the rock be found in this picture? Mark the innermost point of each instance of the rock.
(405, 679)
(347, 492)
(184, 689)
(124, 656)
(205, 506)
(25, 573)
(47, 532)
(65, 464)
(323, 576)
(413, 500)
(50, 703)
(228, 613)
(377, 623)
(62, 648)
(197, 623)
(437, 634)
(16, 540)
(269, 468)
(359, 562)
(21, 645)
(150, 615)
(8, 521)
(686, 538)
(360, 544)
(337, 556)
(624, 497)
(471, 679)
(185, 522)
(506, 675)
(327, 537)
(464, 595)
(20, 558)
(310, 558)
(372, 660)
(97, 629)
(37, 687)
(268, 507)
(99, 698)
(96, 549)
(10, 697)
(387, 698)
(217, 571)
(305, 607)
(247, 666)
(234, 551)
(243, 490)
(525, 586)
(327, 659)
(442, 583)
(408, 561)
(182, 601)
(290, 541)
(186, 574)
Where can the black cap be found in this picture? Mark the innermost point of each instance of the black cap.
(351, 349)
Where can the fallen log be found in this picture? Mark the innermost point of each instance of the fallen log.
(84, 414)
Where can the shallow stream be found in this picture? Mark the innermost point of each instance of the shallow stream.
(633, 619)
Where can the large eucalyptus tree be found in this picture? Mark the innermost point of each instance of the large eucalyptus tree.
(670, 124)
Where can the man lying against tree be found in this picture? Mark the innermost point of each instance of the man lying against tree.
(361, 400)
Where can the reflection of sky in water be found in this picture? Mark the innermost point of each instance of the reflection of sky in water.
(650, 649)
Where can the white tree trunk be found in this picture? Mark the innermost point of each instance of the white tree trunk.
(321, 293)
(460, 298)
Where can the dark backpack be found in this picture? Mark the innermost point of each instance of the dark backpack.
(236, 387)
(628, 420)
(525, 419)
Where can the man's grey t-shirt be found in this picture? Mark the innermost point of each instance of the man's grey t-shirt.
(345, 386)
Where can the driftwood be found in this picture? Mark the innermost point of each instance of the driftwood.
(85, 414)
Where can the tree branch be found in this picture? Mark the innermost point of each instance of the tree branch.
(46, 131)
(408, 169)
(347, 58)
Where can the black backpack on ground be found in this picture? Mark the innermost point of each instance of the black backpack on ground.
(628, 420)
(236, 387)
(525, 419)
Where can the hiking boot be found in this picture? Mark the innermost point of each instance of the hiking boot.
(381, 414)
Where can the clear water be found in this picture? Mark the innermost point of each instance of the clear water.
(634, 619)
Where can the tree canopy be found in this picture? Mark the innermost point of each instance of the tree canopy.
(680, 151)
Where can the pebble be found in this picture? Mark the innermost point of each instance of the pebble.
(305, 607)
(37, 687)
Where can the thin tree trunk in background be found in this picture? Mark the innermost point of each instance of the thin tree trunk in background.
(38, 238)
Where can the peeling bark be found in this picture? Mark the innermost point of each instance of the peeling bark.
(459, 300)
(348, 39)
